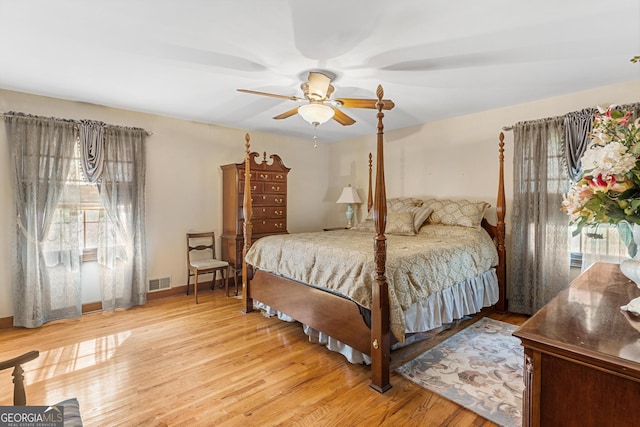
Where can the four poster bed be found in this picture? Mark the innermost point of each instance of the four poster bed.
(360, 302)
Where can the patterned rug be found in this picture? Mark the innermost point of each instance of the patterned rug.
(479, 368)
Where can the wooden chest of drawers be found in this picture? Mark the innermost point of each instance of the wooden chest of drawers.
(269, 202)
(582, 355)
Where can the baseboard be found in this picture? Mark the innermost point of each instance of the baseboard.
(91, 306)
(7, 322)
(177, 290)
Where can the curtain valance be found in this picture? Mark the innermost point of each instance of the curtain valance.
(91, 137)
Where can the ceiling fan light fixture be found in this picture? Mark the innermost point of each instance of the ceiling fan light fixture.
(318, 86)
(316, 114)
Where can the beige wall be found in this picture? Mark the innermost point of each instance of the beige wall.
(449, 158)
(183, 183)
(457, 157)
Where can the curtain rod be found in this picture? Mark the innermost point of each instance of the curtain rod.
(15, 114)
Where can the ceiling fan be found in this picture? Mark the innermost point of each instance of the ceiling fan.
(320, 107)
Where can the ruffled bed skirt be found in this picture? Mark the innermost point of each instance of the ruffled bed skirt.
(444, 307)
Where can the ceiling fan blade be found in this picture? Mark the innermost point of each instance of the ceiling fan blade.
(342, 118)
(254, 92)
(365, 103)
(287, 114)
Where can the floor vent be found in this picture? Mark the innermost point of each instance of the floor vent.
(159, 284)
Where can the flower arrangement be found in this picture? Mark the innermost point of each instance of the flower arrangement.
(609, 190)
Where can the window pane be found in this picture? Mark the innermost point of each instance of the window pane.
(92, 215)
(91, 237)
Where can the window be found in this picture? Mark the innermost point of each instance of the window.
(90, 216)
(80, 204)
(601, 243)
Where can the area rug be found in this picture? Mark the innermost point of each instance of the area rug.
(479, 368)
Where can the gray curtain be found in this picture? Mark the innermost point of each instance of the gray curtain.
(121, 240)
(577, 127)
(46, 267)
(539, 246)
(91, 149)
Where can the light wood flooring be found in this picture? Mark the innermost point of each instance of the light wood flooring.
(175, 363)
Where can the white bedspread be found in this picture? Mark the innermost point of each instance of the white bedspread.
(417, 267)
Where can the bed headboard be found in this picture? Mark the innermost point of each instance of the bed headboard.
(497, 231)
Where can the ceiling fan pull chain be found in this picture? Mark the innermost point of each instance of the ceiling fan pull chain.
(315, 137)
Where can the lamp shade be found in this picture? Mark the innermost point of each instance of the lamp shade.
(316, 113)
(349, 195)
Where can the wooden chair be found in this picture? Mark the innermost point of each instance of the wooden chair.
(72, 417)
(19, 395)
(201, 259)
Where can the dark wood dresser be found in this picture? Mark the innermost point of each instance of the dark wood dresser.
(269, 202)
(582, 354)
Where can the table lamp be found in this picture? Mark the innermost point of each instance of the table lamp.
(349, 196)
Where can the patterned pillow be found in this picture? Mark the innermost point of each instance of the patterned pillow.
(456, 212)
(420, 215)
(398, 223)
(399, 204)
(401, 223)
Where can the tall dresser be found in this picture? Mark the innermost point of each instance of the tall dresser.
(269, 202)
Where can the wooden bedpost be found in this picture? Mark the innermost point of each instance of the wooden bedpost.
(247, 302)
(370, 195)
(380, 337)
(502, 305)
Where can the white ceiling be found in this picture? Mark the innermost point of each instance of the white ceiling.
(434, 59)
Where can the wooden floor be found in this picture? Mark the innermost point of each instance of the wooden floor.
(172, 362)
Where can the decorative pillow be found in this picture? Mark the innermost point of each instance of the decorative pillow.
(456, 212)
(72, 417)
(420, 215)
(398, 223)
(399, 204)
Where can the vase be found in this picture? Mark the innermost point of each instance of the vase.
(631, 267)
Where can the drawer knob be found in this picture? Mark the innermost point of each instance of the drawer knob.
(275, 188)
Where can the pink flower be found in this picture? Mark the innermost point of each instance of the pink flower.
(623, 120)
(600, 183)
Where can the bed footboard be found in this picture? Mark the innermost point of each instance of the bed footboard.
(326, 312)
